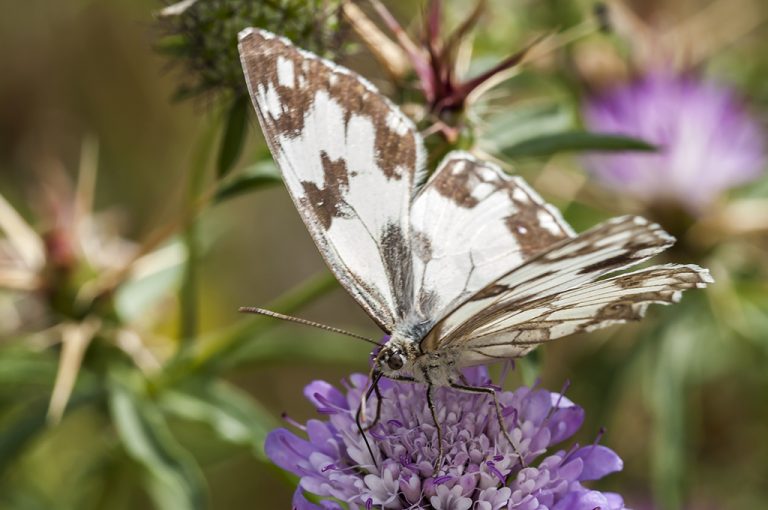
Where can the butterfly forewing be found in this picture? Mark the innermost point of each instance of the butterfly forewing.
(471, 225)
(349, 159)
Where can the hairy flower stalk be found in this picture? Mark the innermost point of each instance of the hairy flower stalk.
(707, 141)
(480, 470)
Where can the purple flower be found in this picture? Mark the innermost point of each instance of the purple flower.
(708, 143)
(481, 470)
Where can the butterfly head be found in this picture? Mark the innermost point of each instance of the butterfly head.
(396, 356)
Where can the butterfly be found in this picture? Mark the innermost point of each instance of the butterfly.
(470, 267)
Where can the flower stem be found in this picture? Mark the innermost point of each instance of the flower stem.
(219, 351)
(188, 293)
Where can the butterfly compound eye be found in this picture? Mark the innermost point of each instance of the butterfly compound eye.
(395, 362)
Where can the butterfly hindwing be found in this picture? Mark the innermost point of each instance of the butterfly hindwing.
(616, 244)
(348, 158)
(593, 306)
(471, 224)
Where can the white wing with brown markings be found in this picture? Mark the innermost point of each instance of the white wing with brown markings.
(471, 224)
(586, 308)
(349, 159)
(508, 306)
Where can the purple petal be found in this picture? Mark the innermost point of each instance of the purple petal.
(322, 437)
(615, 502)
(536, 406)
(590, 500)
(579, 498)
(572, 470)
(476, 376)
(410, 486)
(359, 381)
(559, 400)
(564, 422)
(598, 462)
(299, 502)
(325, 397)
(288, 451)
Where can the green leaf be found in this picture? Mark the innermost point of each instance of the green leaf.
(231, 413)
(222, 349)
(161, 271)
(19, 427)
(304, 345)
(575, 141)
(174, 480)
(523, 122)
(25, 421)
(20, 366)
(234, 135)
(257, 176)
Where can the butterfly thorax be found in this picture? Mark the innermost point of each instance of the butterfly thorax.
(402, 358)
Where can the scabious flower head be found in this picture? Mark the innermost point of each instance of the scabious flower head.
(707, 141)
(481, 470)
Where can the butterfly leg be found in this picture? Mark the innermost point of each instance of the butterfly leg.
(362, 433)
(375, 388)
(432, 410)
(499, 416)
(358, 416)
(378, 407)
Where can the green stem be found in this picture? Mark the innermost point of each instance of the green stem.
(669, 448)
(188, 293)
(217, 352)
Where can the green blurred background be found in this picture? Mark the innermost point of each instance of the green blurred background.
(682, 395)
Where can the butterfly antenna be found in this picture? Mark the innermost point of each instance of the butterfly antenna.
(289, 318)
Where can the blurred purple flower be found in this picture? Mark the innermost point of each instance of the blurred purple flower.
(708, 142)
(480, 471)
